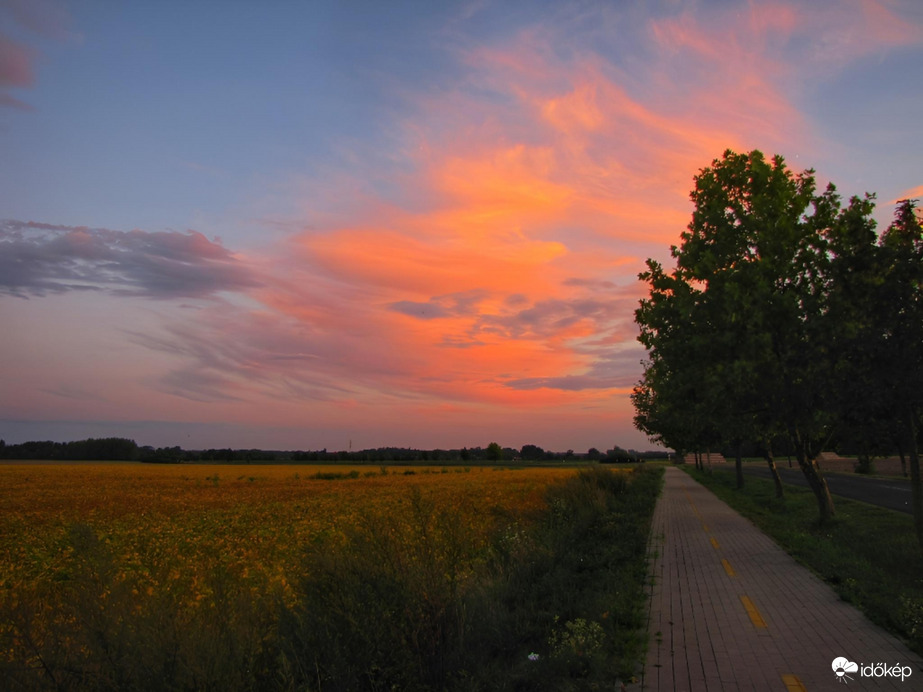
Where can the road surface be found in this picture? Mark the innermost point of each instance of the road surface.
(884, 492)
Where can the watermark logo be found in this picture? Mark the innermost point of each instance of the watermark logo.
(843, 667)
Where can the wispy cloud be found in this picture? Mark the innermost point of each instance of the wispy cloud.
(15, 64)
(37, 259)
(45, 18)
(912, 193)
(36, 19)
(7, 101)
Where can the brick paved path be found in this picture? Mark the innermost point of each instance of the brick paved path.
(730, 610)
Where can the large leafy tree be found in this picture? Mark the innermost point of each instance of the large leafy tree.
(854, 294)
(900, 311)
(672, 400)
(752, 273)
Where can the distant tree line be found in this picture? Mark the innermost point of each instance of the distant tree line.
(787, 321)
(121, 449)
(103, 449)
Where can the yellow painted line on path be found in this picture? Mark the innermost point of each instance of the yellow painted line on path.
(793, 684)
(714, 543)
(728, 568)
(692, 504)
(754, 613)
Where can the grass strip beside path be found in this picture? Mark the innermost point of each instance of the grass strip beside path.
(868, 554)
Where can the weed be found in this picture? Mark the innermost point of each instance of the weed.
(334, 475)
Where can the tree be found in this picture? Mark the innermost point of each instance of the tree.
(756, 242)
(901, 312)
(736, 333)
(494, 452)
(854, 293)
(671, 400)
(531, 452)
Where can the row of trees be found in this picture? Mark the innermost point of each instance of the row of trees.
(121, 449)
(786, 314)
(100, 449)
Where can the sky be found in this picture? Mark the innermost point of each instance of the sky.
(309, 225)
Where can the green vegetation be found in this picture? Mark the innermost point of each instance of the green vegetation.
(867, 554)
(555, 606)
(786, 319)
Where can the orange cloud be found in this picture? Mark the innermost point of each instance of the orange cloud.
(912, 193)
(506, 281)
(490, 273)
(576, 111)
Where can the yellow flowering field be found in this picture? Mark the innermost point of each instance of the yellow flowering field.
(129, 551)
(175, 522)
(279, 577)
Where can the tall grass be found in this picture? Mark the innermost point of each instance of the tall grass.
(573, 592)
(553, 605)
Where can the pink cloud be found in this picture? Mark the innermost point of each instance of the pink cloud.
(15, 64)
(42, 18)
(858, 28)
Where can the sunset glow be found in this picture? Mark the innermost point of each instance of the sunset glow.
(377, 224)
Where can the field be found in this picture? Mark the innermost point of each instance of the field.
(129, 576)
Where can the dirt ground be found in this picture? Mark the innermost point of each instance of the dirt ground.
(890, 466)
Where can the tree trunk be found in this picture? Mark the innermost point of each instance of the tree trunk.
(916, 488)
(816, 480)
(739, 467)
(777, 479)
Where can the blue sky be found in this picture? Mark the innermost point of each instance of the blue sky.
(298, 224)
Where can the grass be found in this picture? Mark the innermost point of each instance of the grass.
(572, 591)
(135, 578)
(868, 554)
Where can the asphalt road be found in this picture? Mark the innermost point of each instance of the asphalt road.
(884, 492)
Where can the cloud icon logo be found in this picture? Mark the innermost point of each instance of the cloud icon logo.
(842, 666)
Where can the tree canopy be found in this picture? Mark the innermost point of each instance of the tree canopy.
(784, 316)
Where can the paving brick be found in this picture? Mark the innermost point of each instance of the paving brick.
(701, 635)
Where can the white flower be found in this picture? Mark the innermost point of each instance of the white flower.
(533, 656)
